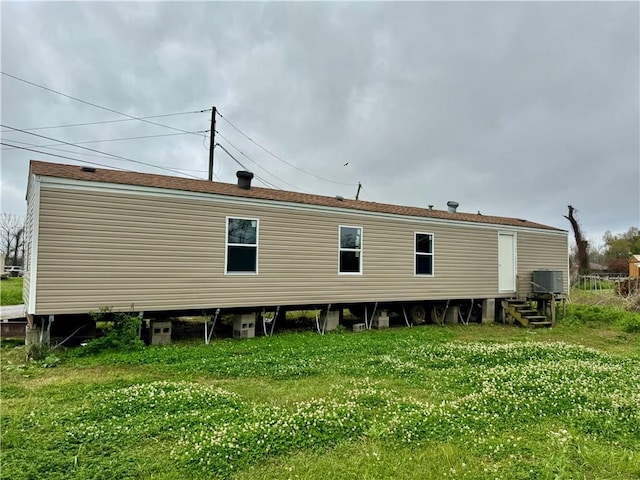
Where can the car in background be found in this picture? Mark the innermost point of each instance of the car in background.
(14, 270)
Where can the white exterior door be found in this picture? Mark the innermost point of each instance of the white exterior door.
(507, 265)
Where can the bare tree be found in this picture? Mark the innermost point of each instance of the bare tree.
(581, 244)
(12, 238)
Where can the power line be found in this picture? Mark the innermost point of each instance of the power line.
(107, 139)
(98, 151)
(65, 157)
(191, 170)
(256, 163)
(93, 104)
(126, 170)
(245, 168)
(369, 196)
(51, 148)
(112, 121)
(280, 158)
(103, 155)
(234, 158)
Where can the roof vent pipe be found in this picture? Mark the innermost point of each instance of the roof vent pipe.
(244, 179)
(452, 206)
(430, 207)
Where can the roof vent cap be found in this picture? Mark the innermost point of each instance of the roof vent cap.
(89, 169)
(430, 207)
(244, 179)
(453, 206)
(340, 198)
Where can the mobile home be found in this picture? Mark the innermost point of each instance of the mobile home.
(107, 238)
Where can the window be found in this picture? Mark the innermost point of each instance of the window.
(424, 254)
(350, 250)
(242, 245)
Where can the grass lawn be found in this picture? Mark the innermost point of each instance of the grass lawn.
(474, 402)
(11, 291)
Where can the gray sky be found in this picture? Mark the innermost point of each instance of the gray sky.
(510, 108)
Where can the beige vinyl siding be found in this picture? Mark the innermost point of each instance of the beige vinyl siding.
(26, 284)
(30, 232)
(537, 251)
(100, 248)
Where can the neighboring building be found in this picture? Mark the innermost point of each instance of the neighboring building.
(105, 238)
(634, 266)
(598, 268)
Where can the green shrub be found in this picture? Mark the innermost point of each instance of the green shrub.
(583, 314)
(586, 314)
(38, 351)
(631, 322)
(121, 333)
(50, 361)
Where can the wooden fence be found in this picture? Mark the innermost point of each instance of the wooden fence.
(627, 287)
(622, 284)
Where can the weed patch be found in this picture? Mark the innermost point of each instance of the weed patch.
(631, 323)
(627, 321)
(478, 397)
(472, 402)
(121, 332)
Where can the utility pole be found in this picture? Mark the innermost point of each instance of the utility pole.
(358, 192)
(212, 141)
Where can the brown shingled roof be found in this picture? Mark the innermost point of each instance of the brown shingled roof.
(203, 186)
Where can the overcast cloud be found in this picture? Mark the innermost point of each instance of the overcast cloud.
(510, 108)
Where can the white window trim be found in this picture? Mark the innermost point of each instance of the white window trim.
(227, 244)
(361, 249)
(432, 254)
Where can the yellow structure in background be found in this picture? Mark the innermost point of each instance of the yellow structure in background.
(634, 266)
